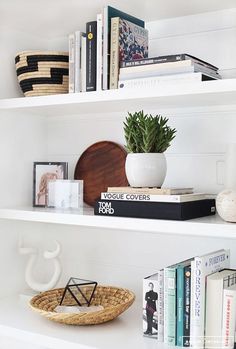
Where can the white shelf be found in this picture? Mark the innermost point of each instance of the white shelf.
(208, 93)
(18, 321)
(211, 226)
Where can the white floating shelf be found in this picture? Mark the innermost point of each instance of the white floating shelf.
(184, 95)
(211, 226)
(19, 322)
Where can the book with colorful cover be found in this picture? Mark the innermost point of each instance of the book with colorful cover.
(108, 13)
(128, 42)
(202, 266)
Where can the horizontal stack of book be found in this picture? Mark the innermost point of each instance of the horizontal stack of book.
(192, 303)
(113, 53)
(156, 203)
(151, 72)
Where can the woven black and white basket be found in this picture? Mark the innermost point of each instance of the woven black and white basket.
(42, 72)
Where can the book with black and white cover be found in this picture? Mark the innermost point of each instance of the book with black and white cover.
(72, 63)
(156, 81)
(91, 55)
(152, 198)
(83, 63)
(150, 305)
(78, 66)
(99, 51)
(201, 267)
(165, 69)
(155, 210)
(108, 13)
(150, 191)
(216, 284)
(128, 41)
(165, 59)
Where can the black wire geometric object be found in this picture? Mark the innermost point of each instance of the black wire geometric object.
(75, 288)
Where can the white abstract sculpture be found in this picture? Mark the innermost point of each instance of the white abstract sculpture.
(51, 255)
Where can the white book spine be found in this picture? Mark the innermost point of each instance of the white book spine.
(203, 266)
(83, 63)
(152, 198)
(99, 51)
(153, 82)
(160, 306)
(229, 318)
(105, 50)
(77, 61)
(165, 307)
(72, 63)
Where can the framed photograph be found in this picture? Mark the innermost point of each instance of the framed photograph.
(43, 172)
(65, 194)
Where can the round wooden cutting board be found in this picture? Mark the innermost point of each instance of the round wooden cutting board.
(102, 165)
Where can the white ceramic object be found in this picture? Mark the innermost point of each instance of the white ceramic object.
(145, 169)
(226, 205)
(29, 272)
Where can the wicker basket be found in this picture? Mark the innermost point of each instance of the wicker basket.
(42, 72)
(114, 300)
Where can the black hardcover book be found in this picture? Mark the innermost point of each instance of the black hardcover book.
(187, 306)
(155, 210)
(91, 55)
(166, 59)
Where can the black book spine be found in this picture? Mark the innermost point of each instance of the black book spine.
(155, 210)
(187, 306)
(166, 59)
(91, 55)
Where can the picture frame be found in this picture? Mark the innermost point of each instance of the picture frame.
(65, 194)
(42, 173)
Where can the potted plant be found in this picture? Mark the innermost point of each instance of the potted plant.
(147, 138)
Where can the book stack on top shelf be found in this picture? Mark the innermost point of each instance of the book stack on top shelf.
(192, 303)
(156, 203)
(178, 68)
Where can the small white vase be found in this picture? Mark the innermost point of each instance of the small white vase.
(145, 169)
(226, 205)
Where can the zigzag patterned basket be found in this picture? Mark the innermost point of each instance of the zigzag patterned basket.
(43, 72)
(113, 299)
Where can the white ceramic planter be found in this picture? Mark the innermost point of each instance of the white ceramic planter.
(226, 205)
(145, 169)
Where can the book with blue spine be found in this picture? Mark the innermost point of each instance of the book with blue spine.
(180, 302)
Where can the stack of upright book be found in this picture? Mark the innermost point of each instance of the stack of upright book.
(95, 54)
(192, 303)
(156, 203)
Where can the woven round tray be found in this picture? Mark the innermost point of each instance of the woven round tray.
(114, 300)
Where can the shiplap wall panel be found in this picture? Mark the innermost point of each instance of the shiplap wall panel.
(115, 257)
(210, 36)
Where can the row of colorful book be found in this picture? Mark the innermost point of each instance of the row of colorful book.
(156, 203)
(192, 303)
(113, 53)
